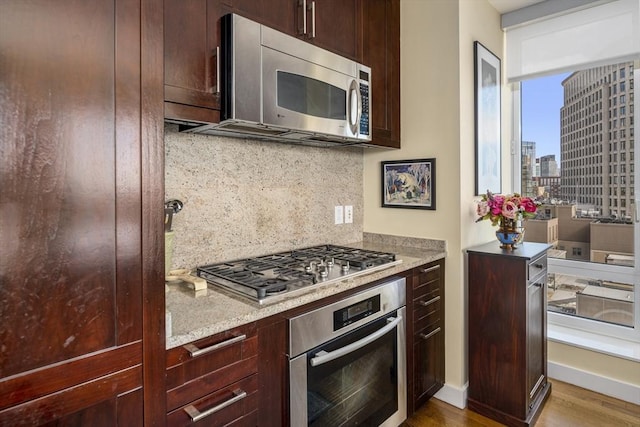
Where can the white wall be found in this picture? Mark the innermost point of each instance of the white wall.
(437, 113)
(437, 121)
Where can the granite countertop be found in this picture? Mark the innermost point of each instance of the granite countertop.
(194, 318)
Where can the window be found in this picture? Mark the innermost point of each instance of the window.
(586, 202)
(584, 96)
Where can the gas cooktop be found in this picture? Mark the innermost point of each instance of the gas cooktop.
(271, 278)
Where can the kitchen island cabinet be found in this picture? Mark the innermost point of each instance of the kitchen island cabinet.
(507, 332)
(81, 201)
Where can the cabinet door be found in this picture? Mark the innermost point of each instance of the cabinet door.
(191, 36)
(335, 25)
(277, 14)
(381, 52)
(428, 350)
(72, 203)
(536, 343)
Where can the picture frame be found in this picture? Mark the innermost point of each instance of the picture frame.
(409, 184)
(488, 131)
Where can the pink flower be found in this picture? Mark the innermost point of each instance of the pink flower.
(509, 210)
(482, 208)
(528, 205)
(495, 204)
(505, 207)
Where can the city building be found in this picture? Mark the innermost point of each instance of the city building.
(596, 139)
(549, 166)
(600, 240)
(550, 186)
(583, 238)
(528, 154)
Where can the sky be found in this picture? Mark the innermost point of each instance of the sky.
(542, 99)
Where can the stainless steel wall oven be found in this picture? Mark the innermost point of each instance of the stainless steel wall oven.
(347, 360)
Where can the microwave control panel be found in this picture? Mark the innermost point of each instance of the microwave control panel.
(364, 95)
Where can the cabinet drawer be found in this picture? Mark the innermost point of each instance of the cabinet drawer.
(427, 273)
(426, 317)
(210, 382)
(537, 267)
(204, 356)
(232, 405)
(428, 300)
(427, 333)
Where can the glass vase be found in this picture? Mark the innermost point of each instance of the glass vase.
(510, 233)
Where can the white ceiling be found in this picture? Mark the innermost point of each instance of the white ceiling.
(504, 6)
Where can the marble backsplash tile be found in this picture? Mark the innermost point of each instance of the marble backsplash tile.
(245, 198)
(403, 241)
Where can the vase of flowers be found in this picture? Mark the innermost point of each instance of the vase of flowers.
(507, 212)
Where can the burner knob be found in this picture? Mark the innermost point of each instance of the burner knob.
(330, 262)
(345, 267)
(322, 270)
(309, 268)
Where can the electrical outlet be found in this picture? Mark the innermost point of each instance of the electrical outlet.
(339, 215)
(348, 214)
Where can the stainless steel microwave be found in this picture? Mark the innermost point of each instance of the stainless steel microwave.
(276, 86)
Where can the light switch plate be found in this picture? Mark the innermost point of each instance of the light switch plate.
(339, 215)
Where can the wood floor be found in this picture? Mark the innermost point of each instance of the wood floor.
(568, 406)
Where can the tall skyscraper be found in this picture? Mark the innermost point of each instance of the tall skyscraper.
(596, 138)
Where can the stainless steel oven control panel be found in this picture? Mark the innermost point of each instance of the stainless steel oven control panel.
(310, 329)
(357, 311)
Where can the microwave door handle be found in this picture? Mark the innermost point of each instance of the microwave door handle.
(324, 357)
(355, 107)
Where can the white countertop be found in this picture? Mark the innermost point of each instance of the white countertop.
(194, 318)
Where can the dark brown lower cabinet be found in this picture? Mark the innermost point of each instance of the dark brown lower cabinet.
(507, 332)
(425, 333)
(214, 381)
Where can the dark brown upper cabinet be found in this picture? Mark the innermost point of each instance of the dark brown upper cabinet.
(365, 31)
(382, 54)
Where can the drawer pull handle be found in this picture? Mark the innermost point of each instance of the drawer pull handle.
(538, 265)
(430, 269)
(538, 284)
(196, 415)
(431, 301)
(195, 351)
(430, 334)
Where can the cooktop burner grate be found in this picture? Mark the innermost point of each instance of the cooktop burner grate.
(261, 278)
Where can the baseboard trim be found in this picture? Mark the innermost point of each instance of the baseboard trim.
(457, 396)
(453, 395)
(590, 381)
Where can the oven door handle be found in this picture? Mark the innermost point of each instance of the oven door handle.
(324, 357)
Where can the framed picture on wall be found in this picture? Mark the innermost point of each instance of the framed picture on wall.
(488, 142)
(409, 184)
